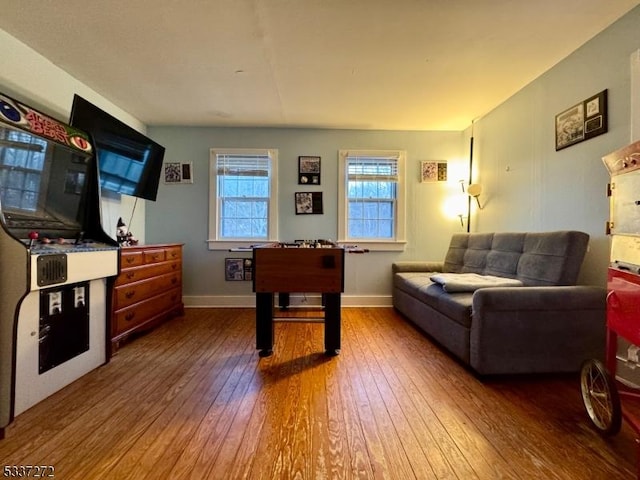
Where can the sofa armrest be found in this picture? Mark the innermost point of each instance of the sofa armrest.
(538, 298)
(537, 329)
(412, 266)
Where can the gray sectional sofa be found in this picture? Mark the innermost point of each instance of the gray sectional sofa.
(507, 302)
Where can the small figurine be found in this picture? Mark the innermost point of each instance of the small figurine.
(123, 235)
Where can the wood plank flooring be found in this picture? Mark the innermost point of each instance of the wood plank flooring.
(192, 400)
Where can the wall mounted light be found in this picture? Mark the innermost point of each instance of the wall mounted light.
(455, 206)
(474, 190)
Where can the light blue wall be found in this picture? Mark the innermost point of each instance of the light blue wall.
(527, 185)
(530, 186)
(181, 212)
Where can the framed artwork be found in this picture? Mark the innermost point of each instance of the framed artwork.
(236, 269)
(178, 172)
(582, 121)
(431, 171)
(596, 122)
(308, 203)
(308, 170)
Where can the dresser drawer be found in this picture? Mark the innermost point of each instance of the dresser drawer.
(173, 253)
(154, 255)
(138, 313)
(131, 293)
(136, 274)
(130, 259)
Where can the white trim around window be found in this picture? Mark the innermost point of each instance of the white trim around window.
(215, 240)
(398, 240)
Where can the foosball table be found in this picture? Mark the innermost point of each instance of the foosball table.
(286, 268)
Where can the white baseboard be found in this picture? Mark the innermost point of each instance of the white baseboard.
(295, 300)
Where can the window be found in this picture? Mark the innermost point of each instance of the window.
(243, 197)
(371, 201)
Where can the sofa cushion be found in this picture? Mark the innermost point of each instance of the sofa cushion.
(470, 282)
(505, 253)
(535, 258)
(552, 258)
(468, 253)
(475, 258)
(456, 306)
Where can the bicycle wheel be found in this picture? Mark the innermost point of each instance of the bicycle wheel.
(600, 397)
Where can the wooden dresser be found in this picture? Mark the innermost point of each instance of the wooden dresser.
(148, 289)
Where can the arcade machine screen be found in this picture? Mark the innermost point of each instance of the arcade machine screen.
(42, 185)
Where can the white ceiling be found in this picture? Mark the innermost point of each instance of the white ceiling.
(362, 64)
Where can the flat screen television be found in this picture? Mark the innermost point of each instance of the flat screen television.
(129, 162)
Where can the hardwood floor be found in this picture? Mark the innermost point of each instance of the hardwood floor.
(192, 399)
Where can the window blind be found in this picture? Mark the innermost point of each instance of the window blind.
(242, 165)
(372, 169)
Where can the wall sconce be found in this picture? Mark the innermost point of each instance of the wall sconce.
(474, 190)
(455, 206)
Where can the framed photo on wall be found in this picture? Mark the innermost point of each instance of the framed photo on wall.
(178, 172)
(308, 203)
(595, 114)
(237, 269)
(308, 170)
(570, 126)
(433, 171)
(582, 121)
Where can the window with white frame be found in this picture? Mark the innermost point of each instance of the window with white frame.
(242, 197)
(371, 198)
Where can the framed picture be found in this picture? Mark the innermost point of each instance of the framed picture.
(583, 121)
(595, 115)
(308, 203)
(570, 126)
(178, 172)
(236, 269)
(433, 171)
(308, 170)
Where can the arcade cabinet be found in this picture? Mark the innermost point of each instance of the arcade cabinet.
(55, 259)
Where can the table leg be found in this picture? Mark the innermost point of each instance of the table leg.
(264, 323)
(283, 300)
(332, 325)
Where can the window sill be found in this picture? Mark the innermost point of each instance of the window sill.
(237, 246)
(376, 245)
(246, 245)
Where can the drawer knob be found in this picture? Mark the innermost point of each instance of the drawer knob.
(130, 294)
(130, 260)
(174, 280)
(129, 316)
(130, 275)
